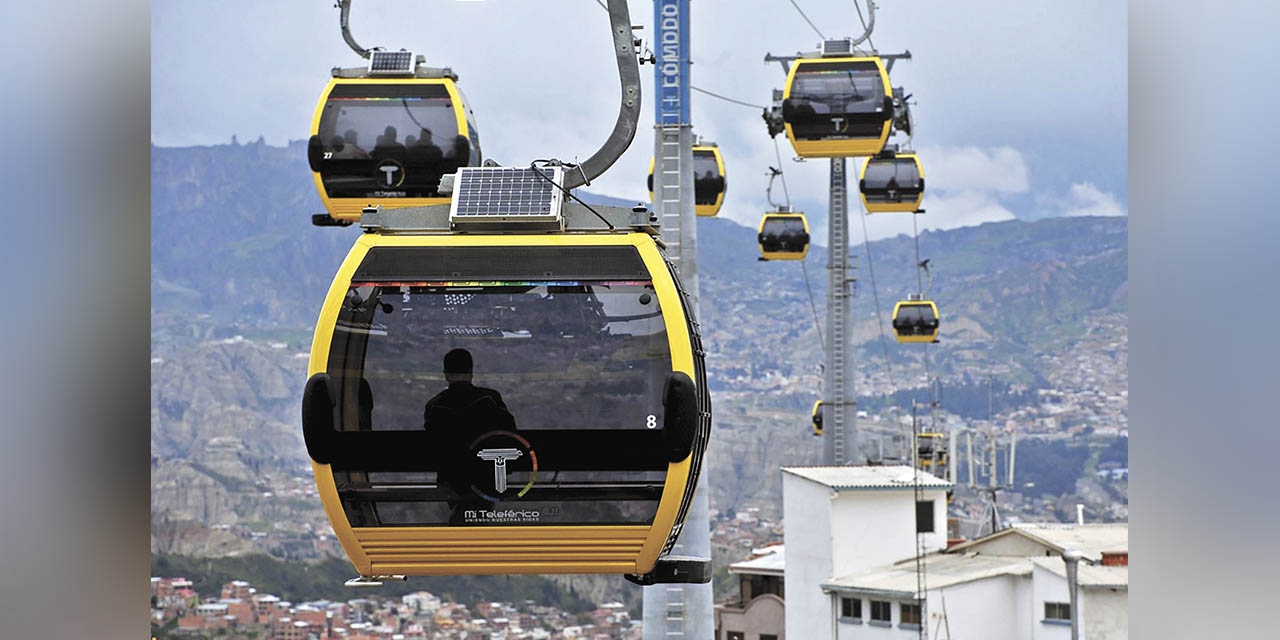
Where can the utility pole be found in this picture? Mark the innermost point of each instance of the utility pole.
(678, 611)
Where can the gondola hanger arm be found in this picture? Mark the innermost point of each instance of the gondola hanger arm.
(344, 15)
(871, 22)
(624, 129)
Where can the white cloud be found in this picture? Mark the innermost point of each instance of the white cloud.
(1001, 169)
(1086, 199)
(942, 211)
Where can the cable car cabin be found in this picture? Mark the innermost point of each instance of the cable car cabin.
(783, 236)
(709, 181)
(892, 184)
(915, 321)
(837, 107)
(495, 403)
(930, 446)
(816, 419)
(388, 141)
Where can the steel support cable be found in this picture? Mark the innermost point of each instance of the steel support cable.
(806, 19)
(726, 98)
(778, 155)
(817, 327)
(915, 235)
(875, 295)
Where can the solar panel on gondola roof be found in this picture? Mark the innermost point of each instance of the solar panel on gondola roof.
(391, 62)
(497, 194)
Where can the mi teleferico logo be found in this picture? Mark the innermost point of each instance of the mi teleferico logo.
(499, 458)
(505, 515)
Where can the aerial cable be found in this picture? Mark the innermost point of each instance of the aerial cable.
(875, 295)
(806, 19)
(813, 308)
(778, 155)
(726, 98)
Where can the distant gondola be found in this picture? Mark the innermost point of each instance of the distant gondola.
(387, 141)
(709, 180)
(915, 320)
(892, 182)
(816, 418)
(783, 235)
(837, 106)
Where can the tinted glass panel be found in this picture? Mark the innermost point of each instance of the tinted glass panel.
(392, 141)
(707, 181)
(915, 319)
(576, 358)
(891, 181)
(784, 234)
(834, 100)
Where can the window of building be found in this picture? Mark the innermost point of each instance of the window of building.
(909, 614)
(735, 635)
(754, 586)
(880, 611)
(1060, 611)
(924, 516)
(851, 608)
(768, 636)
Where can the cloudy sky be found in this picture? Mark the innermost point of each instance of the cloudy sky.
(1020, 107)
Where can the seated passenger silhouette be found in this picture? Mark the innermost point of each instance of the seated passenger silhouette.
(387, 146)
(462, 396)
(425, 157)
(456, 417)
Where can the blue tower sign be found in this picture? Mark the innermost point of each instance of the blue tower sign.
(671, 73)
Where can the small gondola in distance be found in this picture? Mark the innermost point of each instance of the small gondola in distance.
(710, 183)
(837, 107)
(929, 444)
(505, 404)
(915, 321)
(783, 236)
(387, 141)
(816, 418)
(892, 184)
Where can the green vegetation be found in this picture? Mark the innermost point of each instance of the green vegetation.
(300, 582)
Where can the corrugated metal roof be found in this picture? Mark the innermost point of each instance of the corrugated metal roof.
(942, 570)
(771, 563)
(1089, 539)
(1088, 575)
(867, 477)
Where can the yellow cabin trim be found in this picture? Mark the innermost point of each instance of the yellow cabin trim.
(783, 255)
(350, 208)
(838, 148)
(891, 207)
(483, 550)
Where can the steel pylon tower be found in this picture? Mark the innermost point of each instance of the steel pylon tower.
(839, 404)
(678, 611)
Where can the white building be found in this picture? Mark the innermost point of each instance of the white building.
(851, 572)
(1007, 586)
(841, 520)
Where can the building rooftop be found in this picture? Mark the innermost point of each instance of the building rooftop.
(1089, 539)
(1089, 575)
(772, 562)
(851, 478)
(942, 570)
